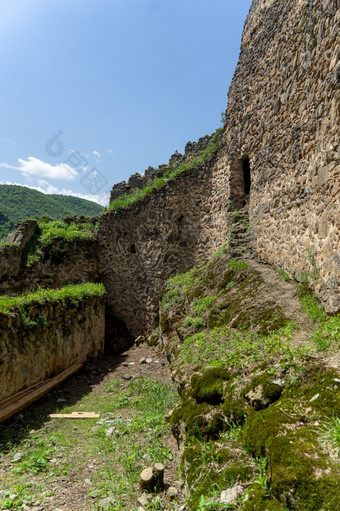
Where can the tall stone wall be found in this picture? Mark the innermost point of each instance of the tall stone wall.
(283, 116)
(165, 233)
(70, 334)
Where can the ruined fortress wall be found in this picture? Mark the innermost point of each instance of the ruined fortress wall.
(30, 354)
(63, 262)
(284, 115)
(163, 234)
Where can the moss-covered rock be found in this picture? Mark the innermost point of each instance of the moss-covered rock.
(208, 387)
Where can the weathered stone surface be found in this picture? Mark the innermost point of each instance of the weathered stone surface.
(63, 262)
(231, 495)
(23, 233)
(71, 334)
(284, 115)
(163, 234)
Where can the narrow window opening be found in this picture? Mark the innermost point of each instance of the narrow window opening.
(246, 176)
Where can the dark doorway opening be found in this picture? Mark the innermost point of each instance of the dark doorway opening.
(246, 176)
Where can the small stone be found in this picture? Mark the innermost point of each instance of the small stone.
(337, 380)
(231, 495)
(106, 503)
(142, 360)
(148, 360)
(314, 398)
(61, 400)
(127, 376)
(172, 492)
(109, 431)
(143, 500)
(139, 340)
(17, 457)
(87, 481)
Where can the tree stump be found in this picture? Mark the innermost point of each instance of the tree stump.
(152, 478)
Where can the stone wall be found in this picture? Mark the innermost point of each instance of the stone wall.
(283, 116)
(72, 333)
(63, 262)
(165, 233)
(138, 181)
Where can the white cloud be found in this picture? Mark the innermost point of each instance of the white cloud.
(47, 188)
(110, 151)
(96, 154)
(35, 167)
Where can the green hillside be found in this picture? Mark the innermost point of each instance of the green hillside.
(18, 203)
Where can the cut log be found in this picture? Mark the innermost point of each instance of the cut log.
(13, 404)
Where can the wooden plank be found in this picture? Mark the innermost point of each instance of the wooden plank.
(16, 397)
(75, 415)
(21, 400)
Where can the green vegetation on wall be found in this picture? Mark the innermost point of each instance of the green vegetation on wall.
(25, 305)
(129, 198)
(20, 203)
(48, 231)
(72, 293)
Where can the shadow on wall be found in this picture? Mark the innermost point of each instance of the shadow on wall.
(240, 181)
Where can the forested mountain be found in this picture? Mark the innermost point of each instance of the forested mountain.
(18, 203)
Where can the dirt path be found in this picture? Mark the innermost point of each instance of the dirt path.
(80, 460)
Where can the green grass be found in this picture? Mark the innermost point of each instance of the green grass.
(135, 412)
(222, 346)
(327, 328)
(127, 199)
(51, 230)
(240, 265)
(70, 293)
(200, 305)
(177, 287)
(330, 432)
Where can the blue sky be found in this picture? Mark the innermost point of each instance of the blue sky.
(92, 91)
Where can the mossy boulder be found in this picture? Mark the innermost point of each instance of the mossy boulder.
(235, 410)
(209, 386)
(262, 391)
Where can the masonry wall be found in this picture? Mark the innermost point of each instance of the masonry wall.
(284, 115)
(63, 262)
(73, 333)
(163, 234)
